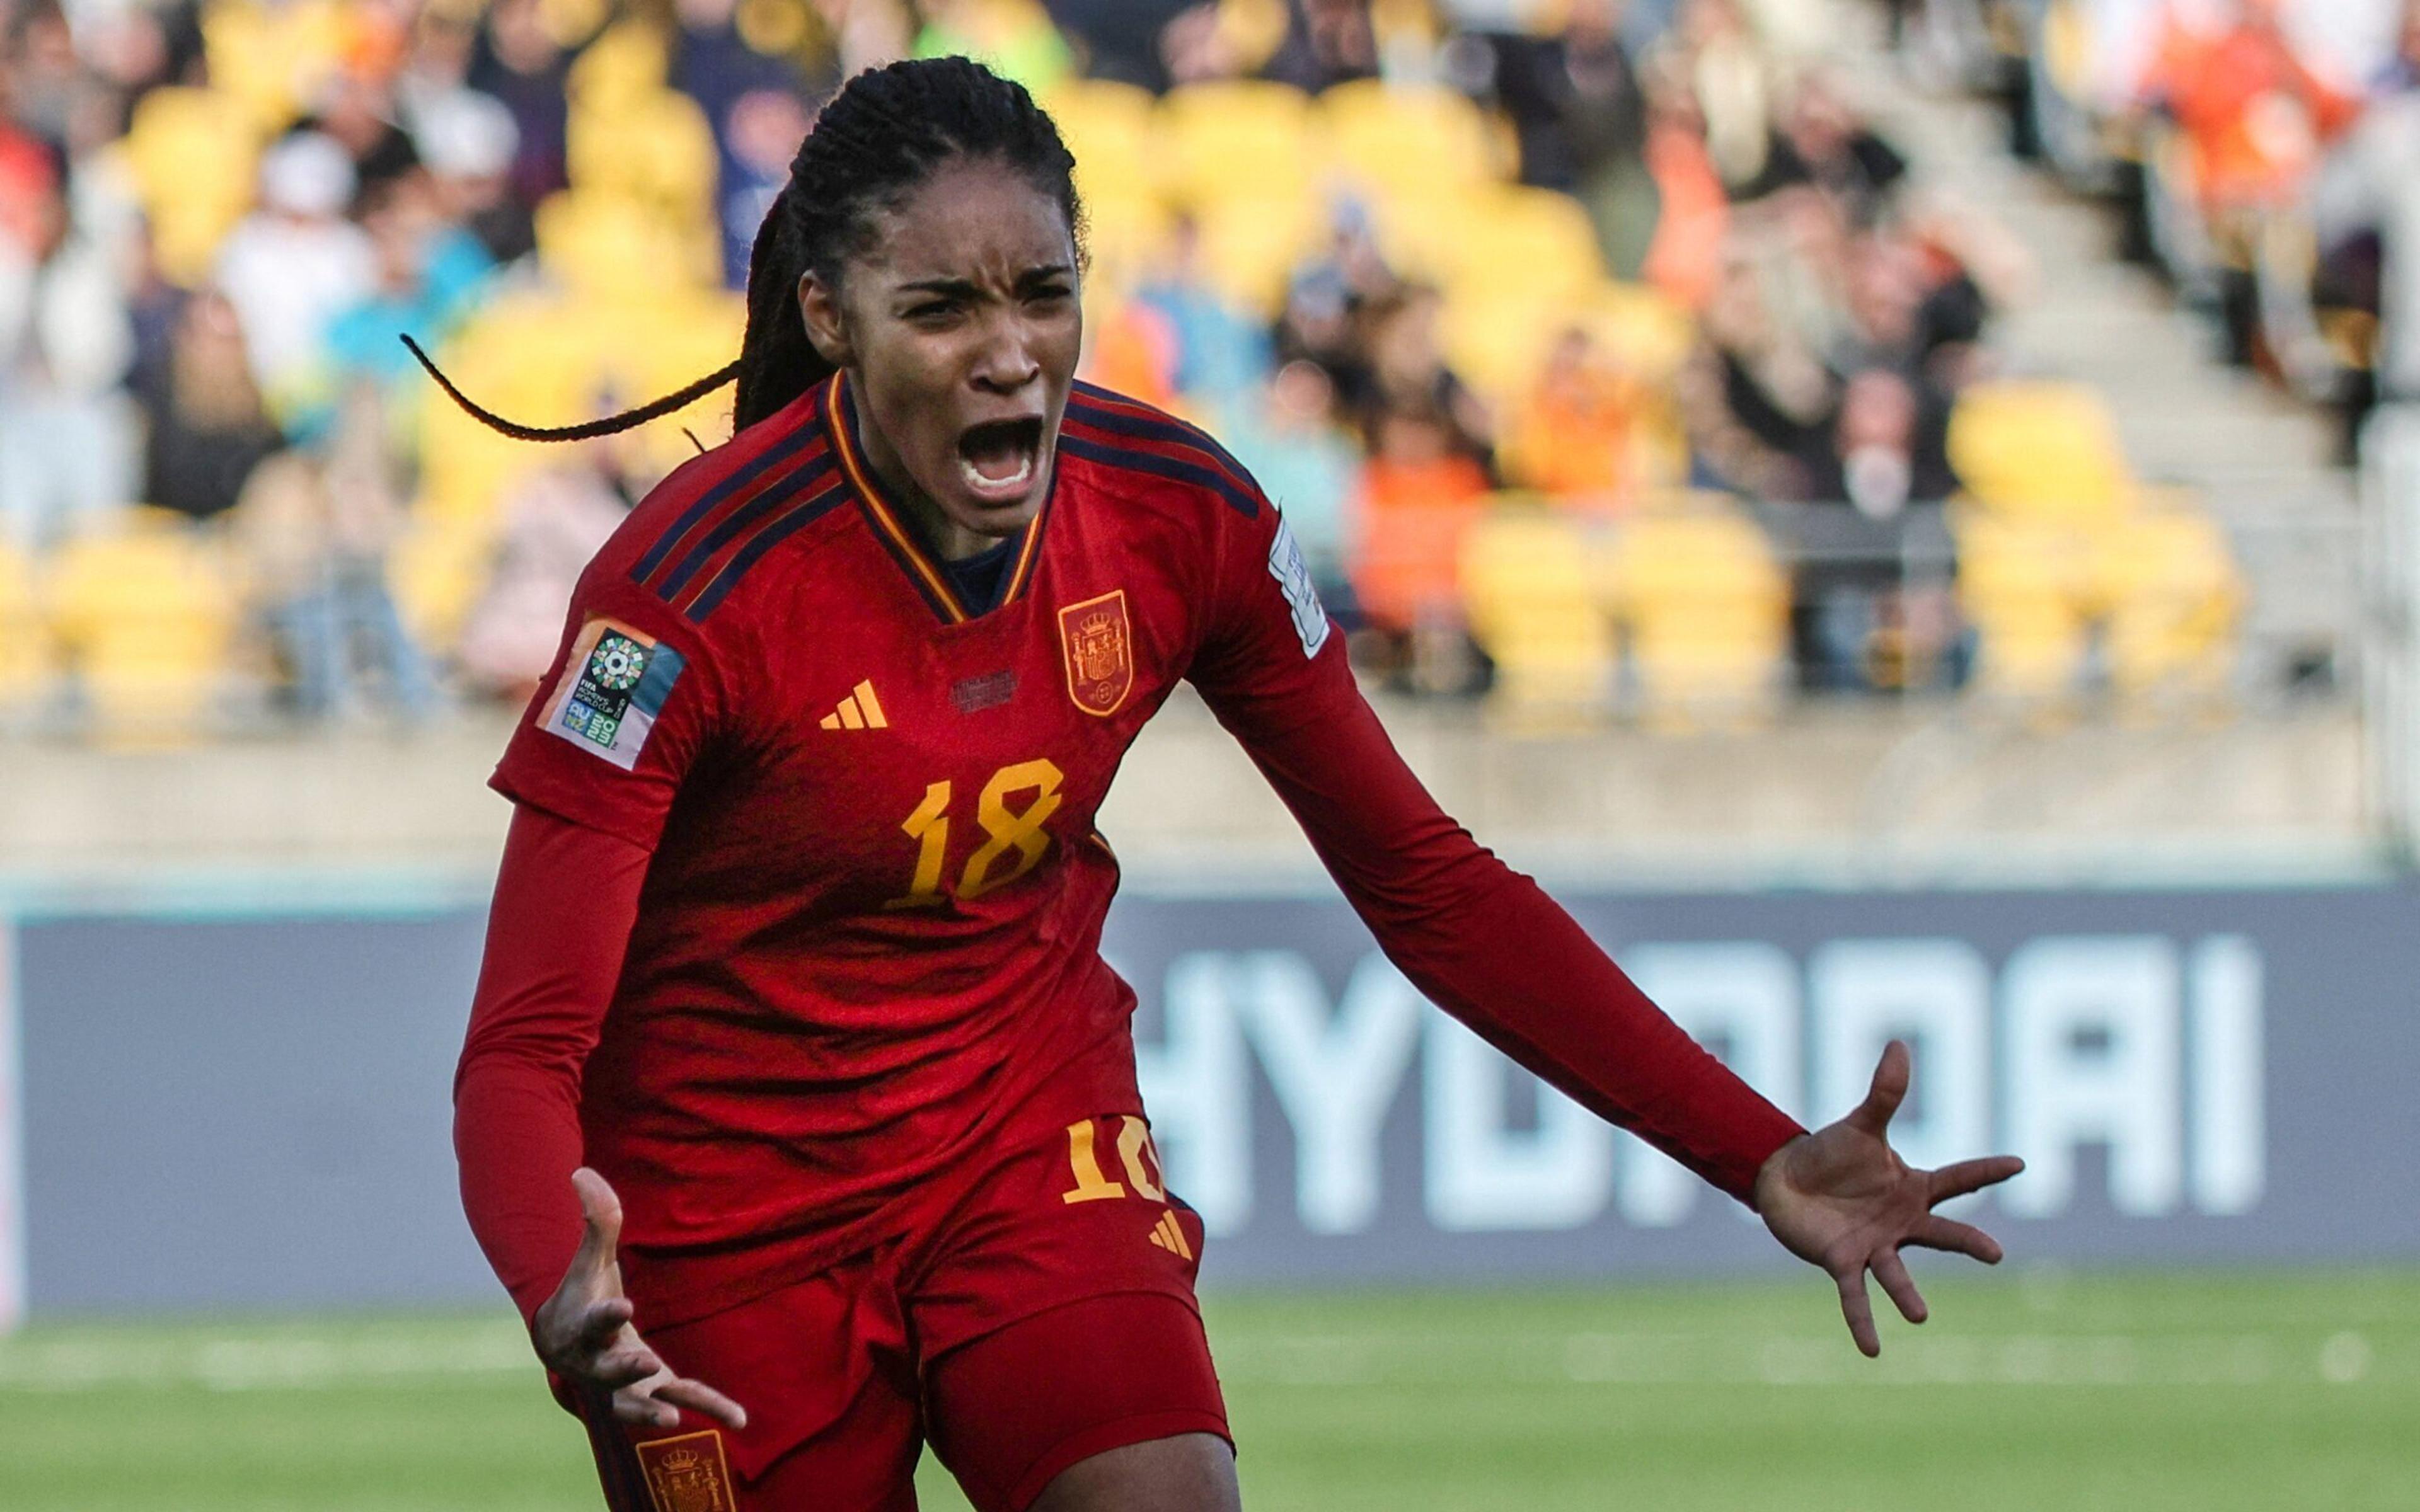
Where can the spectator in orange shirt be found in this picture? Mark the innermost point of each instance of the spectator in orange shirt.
(1572, 440)
(2255, 118)
(2253, 112)
(1418, 494)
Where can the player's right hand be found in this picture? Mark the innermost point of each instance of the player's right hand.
(583, 1332)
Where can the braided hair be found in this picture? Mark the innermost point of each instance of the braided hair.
(873, 144)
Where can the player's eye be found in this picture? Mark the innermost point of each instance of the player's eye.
(933, 312)
(1048, 295)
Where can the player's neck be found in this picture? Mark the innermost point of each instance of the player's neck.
(941, 535)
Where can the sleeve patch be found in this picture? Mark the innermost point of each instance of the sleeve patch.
(1286, 565)
(613, 685)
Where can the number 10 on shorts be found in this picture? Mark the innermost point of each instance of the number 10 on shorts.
(1134, 1153)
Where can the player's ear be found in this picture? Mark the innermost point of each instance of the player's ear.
(827, 330)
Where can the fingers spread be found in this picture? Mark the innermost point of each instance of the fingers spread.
(1858, 1310)
(598, 1325)
(700, 1397)
(1937, 1232)
(625, 1367)
(636, 1406)
(1972, 1176)
(1892, 1272)
(1888, 1090)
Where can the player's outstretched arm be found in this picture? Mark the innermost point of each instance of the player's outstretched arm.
(1841, 1199)
(584, 1333)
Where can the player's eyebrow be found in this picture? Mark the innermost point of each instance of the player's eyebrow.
(960, 288)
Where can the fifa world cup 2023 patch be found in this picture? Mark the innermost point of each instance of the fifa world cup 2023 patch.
(613, 685)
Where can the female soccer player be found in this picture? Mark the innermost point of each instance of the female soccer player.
(794, 1047)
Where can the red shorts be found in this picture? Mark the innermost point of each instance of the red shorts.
(1048, 1317)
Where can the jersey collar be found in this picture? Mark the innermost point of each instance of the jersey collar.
(925, 574)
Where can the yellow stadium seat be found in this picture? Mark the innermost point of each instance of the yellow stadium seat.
(612, 247)
(25, 655)
(548, 361)
(1497, 340)
(628, 62)
(2026, 587)
(146, 617)
(1646, 330)
(1708, 611)
(1409, 137)
(1126, 236)
(654, 147)
(1537, 238)
(1533, 607)
(1251, 244)
(191, 154)
(1244, 134)
(2046, 451)
(274, 58)
(1419, 226)
(437, 572)
(2175, 597)
(1111, 129)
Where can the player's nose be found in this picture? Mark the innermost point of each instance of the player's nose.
(1005, 362)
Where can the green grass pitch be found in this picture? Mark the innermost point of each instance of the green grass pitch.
(2195, 1391)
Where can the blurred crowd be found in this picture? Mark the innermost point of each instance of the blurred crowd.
(2263, 153)
(217, 216)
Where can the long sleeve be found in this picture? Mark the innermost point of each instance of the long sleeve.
(1483, 941)
(565, 898)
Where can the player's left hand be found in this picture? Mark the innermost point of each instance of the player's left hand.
(1841, 1197)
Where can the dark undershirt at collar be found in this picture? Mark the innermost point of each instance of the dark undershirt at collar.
(979, 578)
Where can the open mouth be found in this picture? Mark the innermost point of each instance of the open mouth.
(997, 459)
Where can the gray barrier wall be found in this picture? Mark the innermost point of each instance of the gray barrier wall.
(254, 1112)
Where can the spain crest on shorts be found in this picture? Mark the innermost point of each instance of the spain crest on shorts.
(1098, 642)
(687, 1474)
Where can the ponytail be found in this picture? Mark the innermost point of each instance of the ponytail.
(884, 133)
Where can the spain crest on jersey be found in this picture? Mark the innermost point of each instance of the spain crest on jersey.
(1098, 644)
(687, 1474)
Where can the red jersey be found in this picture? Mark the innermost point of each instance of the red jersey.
(868, 942)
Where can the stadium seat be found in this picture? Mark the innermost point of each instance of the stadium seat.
(2025, 586)
(274, 58)
(1707, 608)
(1649, 332)
(1418, 227)
(2045, 450)
(26, 655)
(1238, 136)
(1251, 244)
(653, 146)
(626, 63)
(1533, 606)
(191, 154)
(1538, 237)
(146, 617)
(437, 572)
(549, 361)
(2174, 598)
(614, 247)
(1409, 137)
(1497, 339)
(1111, 129)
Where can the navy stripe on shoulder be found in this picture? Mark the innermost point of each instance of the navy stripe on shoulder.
(1176, 469)
(1107, 409)
(741, 520)
(746, 473)
(781, 528)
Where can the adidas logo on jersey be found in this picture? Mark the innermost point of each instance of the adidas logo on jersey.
(1168, 1235)
(861, 710)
